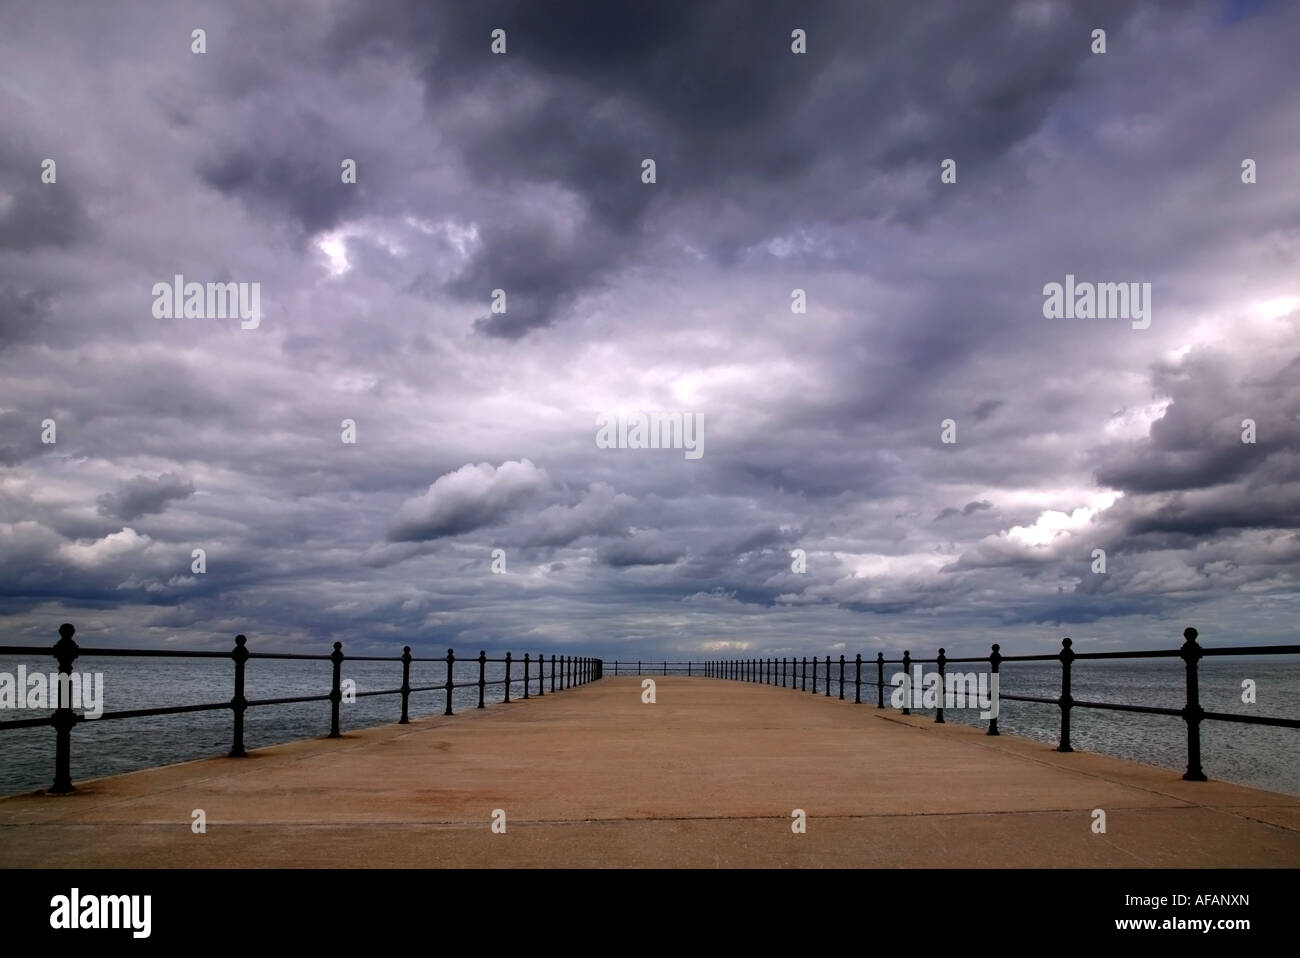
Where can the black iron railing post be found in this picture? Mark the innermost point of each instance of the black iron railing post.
(995, 659)
(688, 668)
(239, 704)
(336, 689)
(638, 666)
(507, 678)
(783, 671)
(65, 652)
(907, 682)
(880, 680)
(451, 669)
(815, 675)
(828, 676)
(1192, 712)
(525, 675)
(857, 679)
(406, 685)
(1066, 700)
(482, 676)
(552, 671)
(938, 714)
(805, 675)
(841, 676)
(541, 674)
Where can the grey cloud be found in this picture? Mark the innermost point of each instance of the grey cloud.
(649, 548)
(467, 499)
(144, 495)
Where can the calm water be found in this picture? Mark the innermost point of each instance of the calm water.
(111, 747)
(1251, 755)
(1256, 755)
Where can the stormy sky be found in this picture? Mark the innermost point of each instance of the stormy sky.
(774, 171)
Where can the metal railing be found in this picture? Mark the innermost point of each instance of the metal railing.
(656, 668)
(566, 671)
(772, 671)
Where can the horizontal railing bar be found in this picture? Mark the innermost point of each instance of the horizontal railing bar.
(139, 653)
(285, 655)
(163, 710)
(1153, 654)
(1253, 650)
(289, 701)
(1251, 719)
(1121, 707)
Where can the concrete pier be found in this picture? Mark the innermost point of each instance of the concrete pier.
(708, 776)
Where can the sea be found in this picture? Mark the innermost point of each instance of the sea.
(1255, 755)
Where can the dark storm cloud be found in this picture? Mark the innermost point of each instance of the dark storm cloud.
(144, 495)
(646, 549)
(293, 170)
(965, 510)
(22, 314)
(522, 172)
(1198, 442)
(712, 92)
(34, 213)
(20, 437)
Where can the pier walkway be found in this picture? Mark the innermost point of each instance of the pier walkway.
(707, 776)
